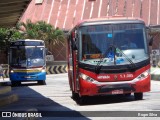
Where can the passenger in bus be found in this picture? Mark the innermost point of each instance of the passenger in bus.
(128, 44)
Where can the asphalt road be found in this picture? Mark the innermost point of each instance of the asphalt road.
(54, 100)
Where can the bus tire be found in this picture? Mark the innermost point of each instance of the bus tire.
(42, 82)
(138, 96)
(74, 95)
(82, 100)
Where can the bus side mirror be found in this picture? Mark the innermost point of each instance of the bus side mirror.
(74, 40)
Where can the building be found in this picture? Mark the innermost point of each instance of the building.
(64, 14)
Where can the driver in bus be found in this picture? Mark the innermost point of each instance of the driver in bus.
(128, 44)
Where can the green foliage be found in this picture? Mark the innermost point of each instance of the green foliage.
(3, 34)
(29, 30)
(7, 35)
(41, 30)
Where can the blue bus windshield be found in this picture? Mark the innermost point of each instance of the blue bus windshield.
(27, 57)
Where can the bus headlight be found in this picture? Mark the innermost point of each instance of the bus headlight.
(11, 71)
(142, 76)
(43, 70)
(87, 78)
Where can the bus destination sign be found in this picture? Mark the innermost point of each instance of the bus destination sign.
(27, 43)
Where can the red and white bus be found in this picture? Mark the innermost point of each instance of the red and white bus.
(101, 61)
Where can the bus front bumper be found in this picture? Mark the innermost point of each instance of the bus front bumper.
(27, 76)
(108, 88)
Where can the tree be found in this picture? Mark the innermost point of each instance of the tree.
(3, 35)
(40, 30)
(29, 30)
(7, 35)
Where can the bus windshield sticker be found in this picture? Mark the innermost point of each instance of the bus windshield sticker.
(109, 35)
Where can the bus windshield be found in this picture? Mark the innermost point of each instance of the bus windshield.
(128, 38)
(27, 57)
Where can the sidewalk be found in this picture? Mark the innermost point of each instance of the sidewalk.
(6, 81)
(6, 94)
(155, 73)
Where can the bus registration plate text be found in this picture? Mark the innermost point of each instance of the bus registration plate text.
(117, 92)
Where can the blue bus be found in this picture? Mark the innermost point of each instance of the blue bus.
(27, 61)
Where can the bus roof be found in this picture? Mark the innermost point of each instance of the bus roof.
(109, 20)
(28, 40)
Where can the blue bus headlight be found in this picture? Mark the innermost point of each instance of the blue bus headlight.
(43, 70)
(11, 71)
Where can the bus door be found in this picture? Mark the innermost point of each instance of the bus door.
(73, 62)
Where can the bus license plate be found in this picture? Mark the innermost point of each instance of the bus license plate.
(117, 92)
(27, 76)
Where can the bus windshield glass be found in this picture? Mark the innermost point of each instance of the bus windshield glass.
(27, 57)
(128, 38)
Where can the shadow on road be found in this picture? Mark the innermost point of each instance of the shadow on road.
(32, 101)
(108, 99)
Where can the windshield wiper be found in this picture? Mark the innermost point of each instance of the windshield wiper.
(97, 67)
(117, 49)
(113, 50)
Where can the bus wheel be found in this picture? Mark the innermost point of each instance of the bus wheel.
(138, 96)
(42, 82)
(74, 95)
(82, 100)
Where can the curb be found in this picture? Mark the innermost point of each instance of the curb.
(155, 73)
(155, 77)
(8, 99)
(5, 89)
